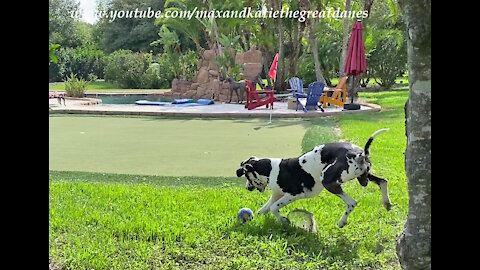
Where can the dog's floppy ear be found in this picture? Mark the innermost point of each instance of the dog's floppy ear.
(240, 172)
(249, 168)
(363, 180)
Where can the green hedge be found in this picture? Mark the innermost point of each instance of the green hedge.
(85, 62)
(136, 70)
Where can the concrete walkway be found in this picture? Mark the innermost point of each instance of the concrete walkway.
(217, 110)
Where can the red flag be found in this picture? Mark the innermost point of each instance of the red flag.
(273, 68)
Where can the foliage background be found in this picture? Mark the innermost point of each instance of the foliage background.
(89, 48)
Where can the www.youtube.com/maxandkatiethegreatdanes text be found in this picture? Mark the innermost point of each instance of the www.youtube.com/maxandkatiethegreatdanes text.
(246, 13)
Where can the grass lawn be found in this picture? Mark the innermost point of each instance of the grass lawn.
(173, 147)
(187, 221)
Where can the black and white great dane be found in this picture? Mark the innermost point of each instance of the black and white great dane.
(326, 166)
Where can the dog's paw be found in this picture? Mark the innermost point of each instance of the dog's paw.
(387, 205)
(285, 221)
(342, 222)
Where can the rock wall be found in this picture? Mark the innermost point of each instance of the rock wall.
(206, 83)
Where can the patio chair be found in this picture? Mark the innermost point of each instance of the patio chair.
(296, 85)
(315, 91)
(336, 96)
(254, 100)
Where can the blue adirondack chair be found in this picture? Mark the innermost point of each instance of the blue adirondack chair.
(296, 85)
(315, 91)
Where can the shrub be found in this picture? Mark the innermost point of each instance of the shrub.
(127, 69)
(166, 72)
(189, 61)
(151, 78)
(75, 87)
(81, 61)
(387, 61)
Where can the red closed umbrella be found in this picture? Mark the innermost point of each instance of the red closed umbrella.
(356, 62)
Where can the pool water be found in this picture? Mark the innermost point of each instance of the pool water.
(130, 99)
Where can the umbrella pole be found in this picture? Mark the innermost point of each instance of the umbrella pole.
(352, 89)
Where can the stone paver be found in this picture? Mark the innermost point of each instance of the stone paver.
(217, 110)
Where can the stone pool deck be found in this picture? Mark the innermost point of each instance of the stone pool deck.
(217, 110)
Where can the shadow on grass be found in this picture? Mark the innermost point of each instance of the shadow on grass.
(297, 239)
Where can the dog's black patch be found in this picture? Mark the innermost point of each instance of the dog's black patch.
(292, 178)
(304, 161)
(263, 166)
(340, 153)
(334, 151)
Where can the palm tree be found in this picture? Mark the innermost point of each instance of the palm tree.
(191, 28)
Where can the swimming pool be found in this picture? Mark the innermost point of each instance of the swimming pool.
(129, 99)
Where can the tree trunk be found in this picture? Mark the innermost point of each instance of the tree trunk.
(280, 84)
(346, 27)
(267, 57)
(297, 51)
(311, 23)
(314, 47)
(296, 45)
(414, 243)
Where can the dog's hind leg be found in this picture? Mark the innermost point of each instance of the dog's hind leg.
(266, 207)
(383, 184)
(238, 96)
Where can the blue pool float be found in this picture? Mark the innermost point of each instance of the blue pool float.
(177, 102)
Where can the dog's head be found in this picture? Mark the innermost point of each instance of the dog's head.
(254, 180)
(363, 164)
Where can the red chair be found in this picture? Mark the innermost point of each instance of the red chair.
(254, 100)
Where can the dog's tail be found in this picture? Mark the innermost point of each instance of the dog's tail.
(370, 140)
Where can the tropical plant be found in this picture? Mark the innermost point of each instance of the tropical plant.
(75, 87)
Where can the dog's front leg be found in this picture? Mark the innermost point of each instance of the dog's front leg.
(336, 189)
(266, 207)
(383, 184)
(351, 203)
(283, 201)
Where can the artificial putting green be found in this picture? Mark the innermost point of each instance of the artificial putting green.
(171, 147)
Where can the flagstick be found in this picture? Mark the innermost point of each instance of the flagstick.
(270, 121)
